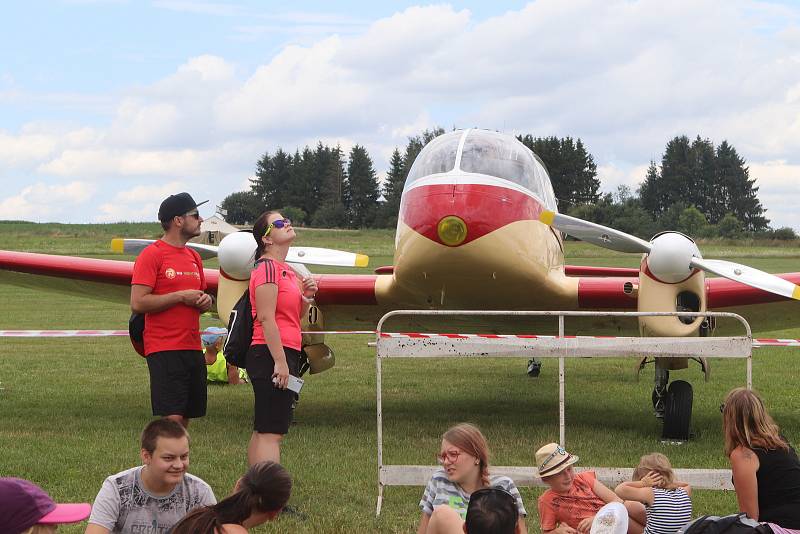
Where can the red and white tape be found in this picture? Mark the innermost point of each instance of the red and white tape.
(762, 342)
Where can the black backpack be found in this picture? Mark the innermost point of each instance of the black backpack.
(729, 524)
(240, 331)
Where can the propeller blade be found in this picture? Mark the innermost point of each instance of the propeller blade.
(596, 234)
(135, 246)
(326, 256)
(310, 255)
(749, 276)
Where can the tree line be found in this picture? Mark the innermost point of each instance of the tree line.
(699, 188)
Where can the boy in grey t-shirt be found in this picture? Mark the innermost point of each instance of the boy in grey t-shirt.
(153, 497)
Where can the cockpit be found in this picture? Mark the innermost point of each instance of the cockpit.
(468, 154)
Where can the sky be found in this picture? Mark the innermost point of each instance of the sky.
(107, 107)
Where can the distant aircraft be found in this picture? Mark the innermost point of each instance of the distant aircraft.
(479, 228)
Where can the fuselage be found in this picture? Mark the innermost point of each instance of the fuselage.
(468, 229)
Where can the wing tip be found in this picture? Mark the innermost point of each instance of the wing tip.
(118, 245)
(796, 293)
(547, 217)
(362, 260)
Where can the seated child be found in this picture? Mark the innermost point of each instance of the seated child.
(217, 368)
(667, 501)
(572, 500)
(464, 457)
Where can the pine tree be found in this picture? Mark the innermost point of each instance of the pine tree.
(395, 181)
(739, 189)
(362, 188)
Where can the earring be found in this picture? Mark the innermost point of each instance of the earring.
(477, 462)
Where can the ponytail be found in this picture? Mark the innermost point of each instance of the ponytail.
(265, 487)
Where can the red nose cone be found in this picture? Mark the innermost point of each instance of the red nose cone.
(484, 208)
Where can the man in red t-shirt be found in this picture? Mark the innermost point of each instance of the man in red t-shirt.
(168, 287)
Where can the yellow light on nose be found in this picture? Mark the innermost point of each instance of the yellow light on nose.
(452, 230)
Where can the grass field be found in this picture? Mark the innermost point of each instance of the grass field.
(71, 409)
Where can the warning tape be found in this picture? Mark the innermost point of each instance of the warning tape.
(762, 342)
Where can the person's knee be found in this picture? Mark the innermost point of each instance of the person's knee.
(636, 511)
(445, 520)
(271, 438)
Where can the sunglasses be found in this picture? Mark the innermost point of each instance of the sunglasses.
(451, 456)
(193, 213)
(280, 223)
(559, 450)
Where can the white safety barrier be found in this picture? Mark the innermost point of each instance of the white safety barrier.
(392, 345)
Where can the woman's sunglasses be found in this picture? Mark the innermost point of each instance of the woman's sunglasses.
(280, 223)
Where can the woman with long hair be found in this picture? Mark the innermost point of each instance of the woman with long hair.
(259, 496)
(464, 457)
(766, 470)
(278, 300)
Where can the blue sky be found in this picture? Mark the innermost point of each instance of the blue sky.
(108, 106)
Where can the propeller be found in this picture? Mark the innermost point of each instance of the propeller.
(671, 256)
(237, 251)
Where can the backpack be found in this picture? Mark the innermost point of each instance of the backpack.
(240, 331)
(729, 524)
(136, 332)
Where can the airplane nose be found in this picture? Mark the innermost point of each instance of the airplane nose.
(457, 214)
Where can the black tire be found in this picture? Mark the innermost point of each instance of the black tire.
(678, 411)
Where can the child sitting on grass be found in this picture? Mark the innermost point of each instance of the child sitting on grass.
(668, 502)
(572, 500)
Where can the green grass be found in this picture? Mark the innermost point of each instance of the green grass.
(71, 409)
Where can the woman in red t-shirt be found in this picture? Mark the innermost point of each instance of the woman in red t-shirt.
(278, 300)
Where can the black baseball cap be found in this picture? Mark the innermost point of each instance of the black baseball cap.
(175, 205)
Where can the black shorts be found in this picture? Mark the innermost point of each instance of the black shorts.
(273, 406)
(178, 383)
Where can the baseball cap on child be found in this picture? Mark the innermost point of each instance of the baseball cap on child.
(24, 504)
(212, 334)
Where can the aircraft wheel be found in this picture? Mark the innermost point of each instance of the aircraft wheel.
(678, 411)
(534, 367)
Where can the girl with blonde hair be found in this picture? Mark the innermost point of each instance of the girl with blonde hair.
(464, 460)
(667, 502)
(766, 470)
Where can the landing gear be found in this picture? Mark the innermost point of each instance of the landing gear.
(660, 391)
(673, 405)
(534, 367)
(678, 411)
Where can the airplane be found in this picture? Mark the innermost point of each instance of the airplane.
(479, 228)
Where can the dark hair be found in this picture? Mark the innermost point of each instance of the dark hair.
(492, 511)
(265, 487)
(166, 224)
(161, 428)
(259, 228)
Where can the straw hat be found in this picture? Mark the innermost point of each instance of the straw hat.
(552, 459)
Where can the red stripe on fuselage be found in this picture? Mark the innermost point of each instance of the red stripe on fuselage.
(484, 208)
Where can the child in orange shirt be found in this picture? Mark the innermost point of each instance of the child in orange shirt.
(572, 500)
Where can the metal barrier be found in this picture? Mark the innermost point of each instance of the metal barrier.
(561, 347)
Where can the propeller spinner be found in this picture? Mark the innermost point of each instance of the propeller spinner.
(671, 256)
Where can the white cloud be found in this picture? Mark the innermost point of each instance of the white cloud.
(46, 202)
(139, 203)
(623, 76)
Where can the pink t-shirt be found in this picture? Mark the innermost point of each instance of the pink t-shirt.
(287, 309)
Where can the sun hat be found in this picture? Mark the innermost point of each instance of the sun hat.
(24, 504)
(610, 519)
(175, 205)
(552, 459)
(212, 334)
